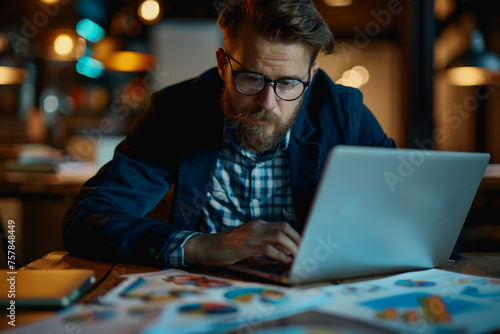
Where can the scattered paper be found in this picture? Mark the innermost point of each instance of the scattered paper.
(428, 301)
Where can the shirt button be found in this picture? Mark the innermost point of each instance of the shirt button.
(152, 251)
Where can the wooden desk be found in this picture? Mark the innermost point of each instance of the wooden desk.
(108, 275)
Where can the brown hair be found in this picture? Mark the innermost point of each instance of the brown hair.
(278, 21)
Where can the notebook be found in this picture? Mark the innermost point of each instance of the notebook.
(39, 288)
(379, 211)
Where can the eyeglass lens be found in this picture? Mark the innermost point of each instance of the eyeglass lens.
(252, 83)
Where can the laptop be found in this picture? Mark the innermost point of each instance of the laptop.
(43, 288)
(378, 211)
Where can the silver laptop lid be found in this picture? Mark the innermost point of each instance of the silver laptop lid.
(380, 210)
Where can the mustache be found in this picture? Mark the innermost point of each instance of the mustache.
(238, 117)
(256, 115)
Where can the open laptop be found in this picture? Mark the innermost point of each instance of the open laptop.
(380, 210)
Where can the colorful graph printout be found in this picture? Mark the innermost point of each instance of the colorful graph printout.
(455, 303)
(305, 330)
(198, 281)
(413, 283)
(157, 291)
(426, 301)
(207, 308)
(88, 316)
(266, 295)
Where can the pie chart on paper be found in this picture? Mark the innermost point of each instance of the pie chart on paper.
(245, 295)
(207, 308)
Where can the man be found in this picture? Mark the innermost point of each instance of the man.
(244, 146)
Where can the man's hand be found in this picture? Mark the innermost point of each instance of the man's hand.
(276, 240)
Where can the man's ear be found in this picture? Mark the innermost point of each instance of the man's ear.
(314, 69)
(221, 62)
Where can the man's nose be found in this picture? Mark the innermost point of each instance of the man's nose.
(267, 98)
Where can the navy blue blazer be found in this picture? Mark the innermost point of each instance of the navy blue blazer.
(177, 141)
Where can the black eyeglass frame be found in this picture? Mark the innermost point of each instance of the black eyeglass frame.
(234, 73)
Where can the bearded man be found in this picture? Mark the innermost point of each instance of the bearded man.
(243, 145)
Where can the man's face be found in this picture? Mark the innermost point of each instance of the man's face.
(261, 120)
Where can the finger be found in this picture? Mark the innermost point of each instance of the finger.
(282, 249)
(289, 231)
(278, 238)
(276, 254)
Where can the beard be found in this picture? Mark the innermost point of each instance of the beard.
(254, 137)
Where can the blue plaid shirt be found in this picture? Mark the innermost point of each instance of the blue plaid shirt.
(245, 187)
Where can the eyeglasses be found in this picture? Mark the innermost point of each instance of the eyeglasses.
(252, 83)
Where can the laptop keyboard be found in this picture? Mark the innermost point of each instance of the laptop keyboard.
(273, 268)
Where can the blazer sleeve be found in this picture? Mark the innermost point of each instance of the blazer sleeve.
(107, 220)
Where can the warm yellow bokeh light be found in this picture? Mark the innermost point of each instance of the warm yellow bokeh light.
(443, 8)
(467, 76)
(363, 72)
(353, 77)
(126, 61)
(149, 10)
(11, 75)
(49, 2)
(338, 3)
(63, 44)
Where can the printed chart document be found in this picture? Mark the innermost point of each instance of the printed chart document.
(428, 301)
(175, 301)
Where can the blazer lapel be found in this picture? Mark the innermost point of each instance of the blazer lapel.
(195, 178)
(305, 165)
